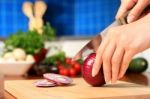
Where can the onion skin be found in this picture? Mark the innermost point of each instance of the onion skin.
(98, 80)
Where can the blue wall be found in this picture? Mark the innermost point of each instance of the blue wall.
(69, 17)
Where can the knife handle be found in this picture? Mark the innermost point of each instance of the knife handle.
(123, 19)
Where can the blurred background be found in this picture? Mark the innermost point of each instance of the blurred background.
(69, 17)
(72, 23)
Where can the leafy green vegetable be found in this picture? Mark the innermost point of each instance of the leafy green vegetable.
(30, 41)
(80, 61)
(49, 33)
(55, 58)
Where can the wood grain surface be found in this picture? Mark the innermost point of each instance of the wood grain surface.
(25, 89)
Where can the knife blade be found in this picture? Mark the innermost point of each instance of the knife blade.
(93, 44)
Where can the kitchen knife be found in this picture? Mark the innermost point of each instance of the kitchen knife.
(93, 44)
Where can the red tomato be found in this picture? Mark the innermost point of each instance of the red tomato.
(68, 60)
(72, 72)
(60, 67)
(64, 72)
(73, 62)
(58, 63)
(77, 67)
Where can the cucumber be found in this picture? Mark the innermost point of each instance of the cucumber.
(138, 65)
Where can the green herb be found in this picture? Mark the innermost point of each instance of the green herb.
(80, 61)
(30, 41)
(55, 58)
(49, 34)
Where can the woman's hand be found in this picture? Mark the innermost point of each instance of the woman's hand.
(137, 7)
(119, 46)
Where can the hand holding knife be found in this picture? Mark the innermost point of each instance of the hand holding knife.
(93, 45)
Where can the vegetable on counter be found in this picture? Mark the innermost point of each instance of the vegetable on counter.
(44, 83)
(61, 64)
(58, 79)
(98, 80)
(31, 41)
(138, 65)
(51, 80)
(17, 54)
(69, 67)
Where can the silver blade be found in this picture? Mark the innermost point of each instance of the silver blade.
(93, 44)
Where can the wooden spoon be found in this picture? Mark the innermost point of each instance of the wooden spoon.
(39, 10)
(28, 9)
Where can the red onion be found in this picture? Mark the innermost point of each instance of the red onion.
(98, 80)
(58, 79)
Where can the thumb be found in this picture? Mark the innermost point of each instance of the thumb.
(124, 7)
(136, 11)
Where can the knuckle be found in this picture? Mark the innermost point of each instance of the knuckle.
(112, 31)
(122, 41)
(105, 58)
(136, 10)
(123, 38)
(124, 63)
(132, 47)
(114, 60)
(114, 70)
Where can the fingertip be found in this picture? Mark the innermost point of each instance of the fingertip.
(108, 82)
(95, 69)
(96, 65)
(121, 75)
(130, 18)
(114, 79)
(93, 72)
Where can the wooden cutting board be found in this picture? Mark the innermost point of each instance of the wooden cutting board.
(24, 89)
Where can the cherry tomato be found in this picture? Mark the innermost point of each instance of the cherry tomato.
(60, 67)
(73, 62)
(77, 67)
(72, 72)
(68, 60)
(58, 63)
(64, 72)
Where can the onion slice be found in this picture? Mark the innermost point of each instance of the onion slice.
(44, 83)
(58, 79)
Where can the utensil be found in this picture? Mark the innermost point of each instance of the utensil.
(39, 10)
(93, 44)
(28, 9)
(35, 13)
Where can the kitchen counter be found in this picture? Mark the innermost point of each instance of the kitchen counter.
(143, 79)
